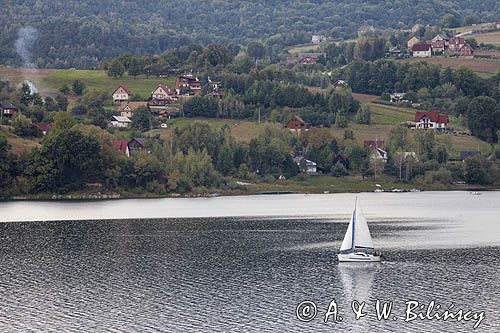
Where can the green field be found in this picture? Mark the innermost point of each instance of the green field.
(48, 81)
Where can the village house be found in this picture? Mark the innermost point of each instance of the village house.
(119, 121)
(136, 145)
(340, 84)
(128, 109)
(215, 88)
(412, 41)
(306, 166)
(310, 58)
(121, 94)
(44, 128)
(379, 154)
(122, 146)
(342, 159)
(456, 43)
(466, 51)
(296, 123)
(187, 85)
(431, 120)
(397, 97)
(422, 50)
(316, 39)
(7, 110)
(163, 93)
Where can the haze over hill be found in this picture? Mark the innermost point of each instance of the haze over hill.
(82, 33)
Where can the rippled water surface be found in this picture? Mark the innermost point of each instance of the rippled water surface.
(78, 270)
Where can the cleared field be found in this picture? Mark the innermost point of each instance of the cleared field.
(48, 81)
(303, 48)
(487, 37)
(477, 65)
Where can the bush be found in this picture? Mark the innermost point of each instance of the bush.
(339, 170)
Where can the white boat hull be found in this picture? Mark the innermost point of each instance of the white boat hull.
(358, 257)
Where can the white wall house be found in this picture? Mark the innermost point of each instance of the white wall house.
(119, 122)
(121, 94)
(422, 50)
(431, 120)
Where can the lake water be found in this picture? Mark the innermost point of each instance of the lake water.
(243, 264)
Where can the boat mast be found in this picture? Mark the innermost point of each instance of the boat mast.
(354, 222)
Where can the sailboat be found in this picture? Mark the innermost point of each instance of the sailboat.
(358, 245)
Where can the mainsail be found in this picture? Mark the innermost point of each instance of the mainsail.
(358, 234)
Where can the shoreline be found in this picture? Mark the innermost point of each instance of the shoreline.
(93, 196)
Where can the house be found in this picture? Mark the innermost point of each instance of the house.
(431, 120)
(121, 94)
(316, 39)
(342, 159)
(122, 146)
(456, 43)
(136, 145)
(469, 154)
(309, 61)
(466, 51)
(215, 88)
(163, 93)
(340, 84)
(119, 121)
(187, 85)
(374, 144)
(438, 46)
(45, 128)
(379, 154)
(394, 52)
(422, 50)
(7, 110)
(128, 109)
(412, 41)
(397, 97)
(305, 165)
(296, 123)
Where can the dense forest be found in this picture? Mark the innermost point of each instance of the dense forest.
(73, 33)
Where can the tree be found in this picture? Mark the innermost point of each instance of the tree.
(142, 119)
(483, 117)
(364, 115)
(78, 87)
(136, 67)
(23, 126)
(477, 170)
(256, 50)
(62, 102)
(116, 69)
(450, 21)
(215, 55)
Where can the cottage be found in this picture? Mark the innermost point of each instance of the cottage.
(422, 50)
(438, 46)
(136, 145)
(122, 146)
(119, 121)
(215, 88)
(163, 93)
(379, 154)
(7, 110)
(431, 120)
(187, 85)
(469, 154)
(45, 128)
(121, 94)
(305, 165)
(128, 109)
(412, 41)
(340, 84)
(296, 123)
(456, 43)
(316, 39)
(342, 159)
(466, 51)
(397, 97)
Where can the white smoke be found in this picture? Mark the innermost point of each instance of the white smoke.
(26, 38)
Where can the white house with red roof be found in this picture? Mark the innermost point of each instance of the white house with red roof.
(121, 94)
(431, 120)
(422, 50)
(163, 93)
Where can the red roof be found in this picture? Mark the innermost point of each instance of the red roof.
(120, 145)
(421, 47)
(44, 127)
(433, 116)
(374, 144)
(127, 90)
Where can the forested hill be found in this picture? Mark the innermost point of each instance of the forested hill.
(81, 33)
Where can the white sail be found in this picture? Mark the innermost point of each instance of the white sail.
(347, 243)
(362, 237)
